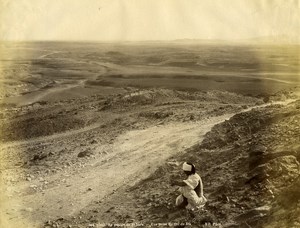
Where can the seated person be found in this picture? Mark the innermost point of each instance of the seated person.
(191, 189)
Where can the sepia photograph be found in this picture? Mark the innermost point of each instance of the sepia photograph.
(150, 113)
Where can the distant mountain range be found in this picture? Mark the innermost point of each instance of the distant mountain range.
(283, 39)
(275, 39)
(256, 40)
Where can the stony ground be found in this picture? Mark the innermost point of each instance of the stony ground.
(97, 162)
(91, 134)
(250, 168)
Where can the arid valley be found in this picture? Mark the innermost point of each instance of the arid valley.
(93, 133)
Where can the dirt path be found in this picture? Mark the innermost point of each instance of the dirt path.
(49, 54)
(134, 155)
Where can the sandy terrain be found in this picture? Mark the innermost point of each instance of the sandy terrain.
(92, 136)
(127, 161)
(130, 157)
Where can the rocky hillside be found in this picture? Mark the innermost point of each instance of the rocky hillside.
(48, 118)
(260, 151)
(250, 169)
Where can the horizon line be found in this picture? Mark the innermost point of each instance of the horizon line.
(253, 40)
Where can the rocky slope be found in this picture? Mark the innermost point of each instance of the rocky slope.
(46, 118)
(250, 169)
(53, 164)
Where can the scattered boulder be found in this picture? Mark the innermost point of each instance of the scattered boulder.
(254, 216)
(283, 168)
(286, 167)
(85, 153)
(40, 156)
(94, 141)
(257, 150)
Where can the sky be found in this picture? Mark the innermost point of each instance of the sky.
(130, 20)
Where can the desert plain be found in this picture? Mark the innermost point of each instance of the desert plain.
(93, 133)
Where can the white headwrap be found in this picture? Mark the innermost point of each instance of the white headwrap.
(186, 167)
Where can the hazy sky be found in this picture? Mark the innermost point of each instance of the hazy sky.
(148, 19)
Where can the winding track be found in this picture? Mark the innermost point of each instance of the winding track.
(134, 155)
